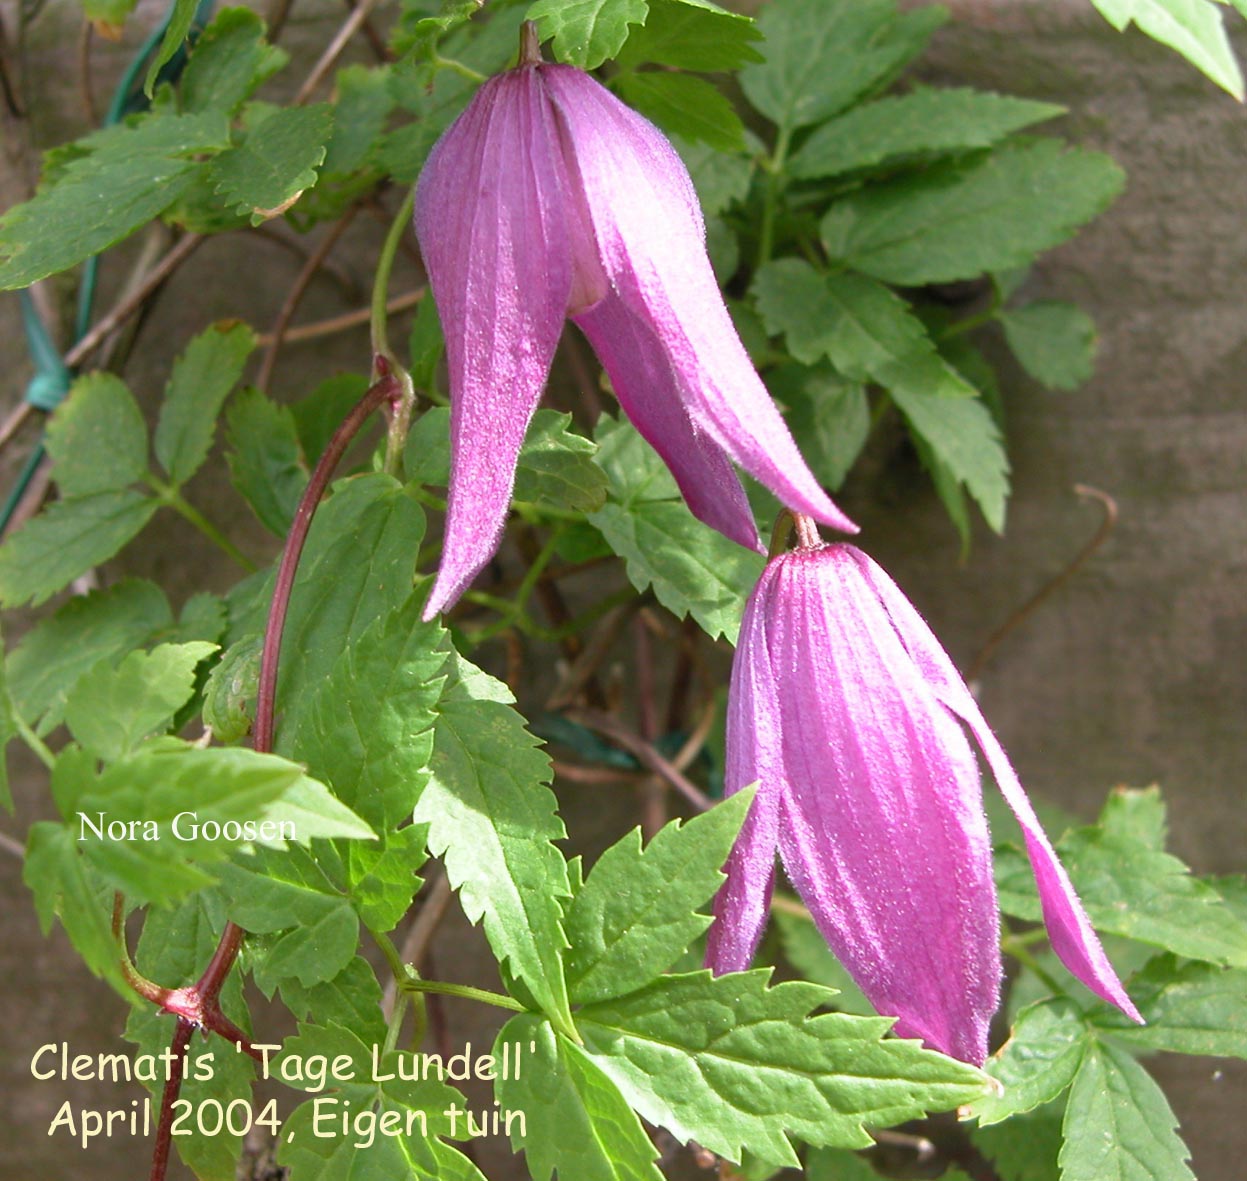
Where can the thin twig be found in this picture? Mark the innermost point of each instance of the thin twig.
(277, 18)
(586, 663)
(653, 791)
(17, 416)
(610, 727)
(376, 42)
(348, 285)
(126, 307)
(85, 89)
(9, 845)
(415, 945)
(596, 776)
(297, 290)
(1045, 592)
(346, 321)
(327, 59)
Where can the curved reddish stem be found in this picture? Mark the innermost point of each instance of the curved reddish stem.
(200, 1005)
(173, 1084)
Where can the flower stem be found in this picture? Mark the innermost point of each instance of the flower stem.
(466, 991)
(203, 999)
(381, 282)
(173, 1084)
(770, 202)
(383, 390)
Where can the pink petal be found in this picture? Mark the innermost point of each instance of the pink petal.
(651, 242)
(647, 390)
(753, 746)
(1069, 929)
(882, 829)
(491, 216)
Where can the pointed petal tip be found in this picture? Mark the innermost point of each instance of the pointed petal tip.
(833, 518)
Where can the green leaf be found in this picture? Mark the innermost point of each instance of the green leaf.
(351, 999)
(104, 624)
(364, 102)
(683, 105)
(720, 178)
(1233, 891)
(869, 333)
(109, 13)
(693, 569)
(325, 1150)
(57, 875)
(1190, 1008)
(919, 124)
(1132, 890)
(821, 55)
(426, 345)
(586, 32)
(230, 60)
(1025, 1148)
(837, 1164)
(180, 19)
(97, 438)
(170, 792)
(67, 539)
(734, 1065)
(1118, 1124)
(1138, 814)
(636, 912)
(1045, 1050)
(288, 892)
(202, 378)
(576, 1122)
(492, 820)
(959, 220)
(1192, 27)
(117, 181)
(276, 162)
(111, 710)
(382, 877)
(556, 466)
(310, 810)
(807, 951)
(230, 694)
(691, 37)
(965, 441)
(176, 945)
(357, 566)
(828, 416)
(368, 727)
(1054, 342)
(265, 464)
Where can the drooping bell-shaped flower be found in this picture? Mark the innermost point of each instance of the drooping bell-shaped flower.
(849, 716)
(549, 198)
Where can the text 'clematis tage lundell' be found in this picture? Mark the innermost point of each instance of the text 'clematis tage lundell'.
(848, 715)
(548, 199)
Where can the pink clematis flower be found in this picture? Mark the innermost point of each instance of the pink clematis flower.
(548, 199)
(848, 714)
